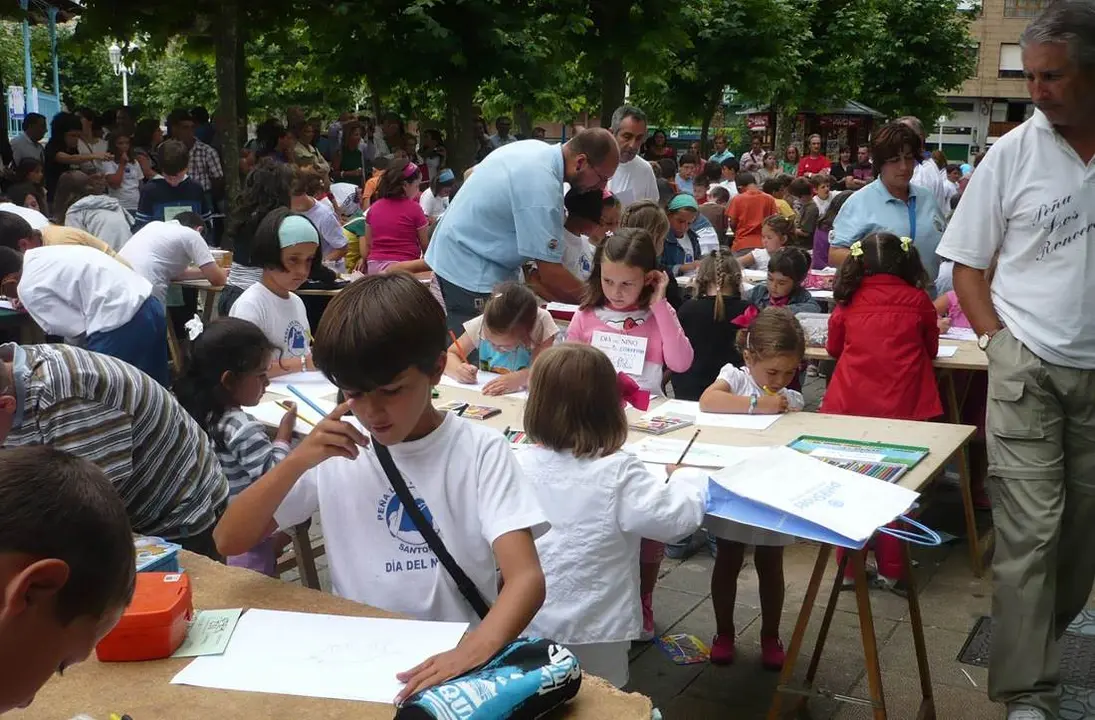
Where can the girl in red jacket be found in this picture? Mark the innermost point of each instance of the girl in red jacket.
(884, 336)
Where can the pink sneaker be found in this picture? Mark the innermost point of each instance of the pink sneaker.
(771, 653)
(722, 649)
(648, 618)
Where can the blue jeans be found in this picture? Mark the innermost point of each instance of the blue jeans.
(141, 342)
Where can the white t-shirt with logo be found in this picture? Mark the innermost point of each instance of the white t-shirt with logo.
(464, 478)
(284, 321)
(128, 194)
(578, 255)
(161, 251)
(634, 181)
(1041, 218)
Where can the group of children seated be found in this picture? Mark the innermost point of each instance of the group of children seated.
(530, 514)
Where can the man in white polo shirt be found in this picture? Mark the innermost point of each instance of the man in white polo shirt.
(1037, 324)
(634, 179)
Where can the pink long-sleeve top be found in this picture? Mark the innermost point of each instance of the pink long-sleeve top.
(666, 343)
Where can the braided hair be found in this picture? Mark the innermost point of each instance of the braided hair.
(721, 269)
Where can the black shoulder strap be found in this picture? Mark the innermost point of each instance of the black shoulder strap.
(463, 582)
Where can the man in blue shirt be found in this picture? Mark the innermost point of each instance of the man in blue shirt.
(511, 210)
(721, 152)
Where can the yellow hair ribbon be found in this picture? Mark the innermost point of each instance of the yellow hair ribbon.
(856, 250)
(906, 243)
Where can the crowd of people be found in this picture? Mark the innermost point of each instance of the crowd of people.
(100, 437)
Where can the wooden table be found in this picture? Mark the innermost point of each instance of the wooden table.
(143, 691)
(969, 358)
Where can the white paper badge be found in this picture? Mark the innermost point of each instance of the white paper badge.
(627, 353)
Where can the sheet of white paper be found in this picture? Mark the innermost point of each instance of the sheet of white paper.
(269, 413)
(328, 656)
(656, 470)
(666, 451)
(561, 307)
(5, 304)
(689, 409)
(946, 351)
(821, 294)
(484, 377)
(627, 352)
(754, 275)
(959, 333)
(845, 502)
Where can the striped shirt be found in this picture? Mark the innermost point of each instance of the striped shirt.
(248, 453)
(99, 408)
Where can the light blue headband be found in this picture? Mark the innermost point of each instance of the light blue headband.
(296, 230)
(445, 176)
(683, 201)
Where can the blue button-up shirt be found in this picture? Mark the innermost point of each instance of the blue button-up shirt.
(509, 210)
(873, 209)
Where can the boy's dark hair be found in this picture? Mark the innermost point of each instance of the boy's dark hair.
(227, 344)
(731, 163)
(630, 246)
(712, 171)
(669, 168)
(266, 245)
(791, 262)
(14, 228)
(784, 180)
(770, 186)
(190, 219)
(882, 255)
(718, 193)
(378, 327)
(819, 179)
(890, 140)
(511, 308)
(173, 156)
(11, 261)
(587, 205)
(800, 187)
(745, 179)
(701, 180)
(390, 186)
(591, 423)
(774, 331)
(57, 505)
(177, 116)
(689, 159)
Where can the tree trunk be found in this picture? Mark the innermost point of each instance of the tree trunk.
(374, 99)
(460, 122)
(242, 74)
(613, 84)
(227, 50)
(713, 101)
(785, 124)
(524, 121)
(5, 143)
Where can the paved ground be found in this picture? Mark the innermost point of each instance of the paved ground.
(951, 601)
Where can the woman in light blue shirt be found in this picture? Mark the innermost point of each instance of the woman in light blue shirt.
(891, 203)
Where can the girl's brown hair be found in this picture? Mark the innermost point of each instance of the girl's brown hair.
(72, 186)
(774, 331)
(791, 262)
(574, 402)
(781, 226)
(307, 181)
(631, 246)
(511, 309)
(721, 269)
(647, 215)
(391, 182)
(882, 254)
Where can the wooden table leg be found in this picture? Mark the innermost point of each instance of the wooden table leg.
(306, 559)
(208, 306)
(965, 485)
(173, 347)
(775, 710)
(927, 702)
(866, 631)
(827, 620)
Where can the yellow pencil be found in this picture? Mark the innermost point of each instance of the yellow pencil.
(285, 406)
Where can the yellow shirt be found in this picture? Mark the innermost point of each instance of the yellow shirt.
(353, 249)
(785, 209)
(62, 235)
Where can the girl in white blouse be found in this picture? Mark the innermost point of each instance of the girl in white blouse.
(600, 501)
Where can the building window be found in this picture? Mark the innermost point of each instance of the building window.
(959, 106)
(974, 50)
(1011, 61)
(1023, 8)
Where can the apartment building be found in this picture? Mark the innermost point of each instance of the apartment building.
(995, 99)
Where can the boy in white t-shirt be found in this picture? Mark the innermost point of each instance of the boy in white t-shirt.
(78, 292)
(383, 342)
(162, 252)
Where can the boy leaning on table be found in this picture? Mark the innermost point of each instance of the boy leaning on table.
(66, 566)
(383, 342)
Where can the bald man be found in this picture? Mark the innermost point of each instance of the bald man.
(510, 211)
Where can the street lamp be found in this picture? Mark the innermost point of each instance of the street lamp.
(120, 68)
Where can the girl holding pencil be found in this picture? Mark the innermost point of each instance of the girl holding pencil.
(228, 372)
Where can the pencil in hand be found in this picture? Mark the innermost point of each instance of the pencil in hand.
(459, 350)
(285, 406)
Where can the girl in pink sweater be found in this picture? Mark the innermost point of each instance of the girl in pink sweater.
(626, 296)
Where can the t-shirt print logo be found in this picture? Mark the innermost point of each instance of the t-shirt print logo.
(401, 526)
(628, 323)
(296, 338)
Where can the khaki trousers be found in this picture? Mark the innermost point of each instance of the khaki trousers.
(1041, 448)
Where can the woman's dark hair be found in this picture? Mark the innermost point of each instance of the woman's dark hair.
(882, 254)
(25, 167)
(827, 220)
(712, 171)
(266, 187)
(86, 113)
(774, 331)
(391, 182)
(669, 168)
(892, 139)
(392, 320)
(112, 146)
(654, 136)
(58, 505)
(71, 186)
(18, 192)
(631, 246)
(798, 155)
(348, 130)
(791, 262)
(143, 134)
(511, 308)
(227, 345)
(587, 205)
(63, 123)
(266, 245)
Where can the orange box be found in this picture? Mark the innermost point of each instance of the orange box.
(154, 624)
